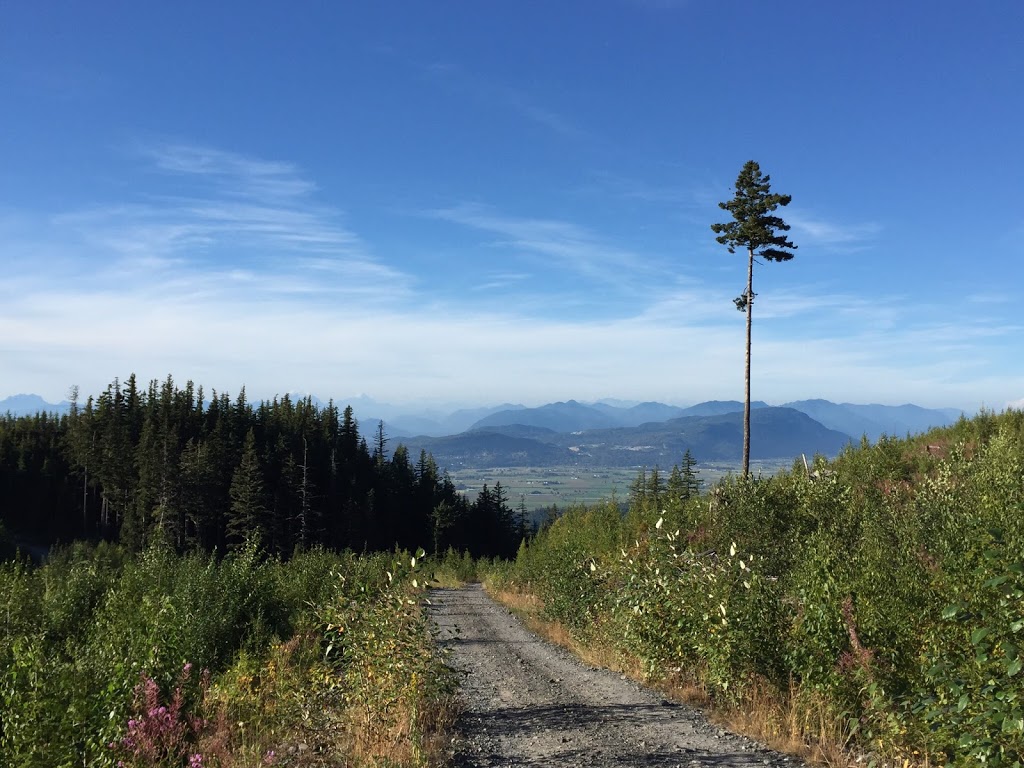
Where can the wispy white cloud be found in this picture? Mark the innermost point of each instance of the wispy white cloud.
(566, 244)
(514, 100)
(818, 231)
(994, 297)
(237, 217)
(501, 280)
(829, 307)
(685, 348)
(548, 118)
(639, 190)
(236, 174)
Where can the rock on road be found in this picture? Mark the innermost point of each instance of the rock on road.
(528, 702)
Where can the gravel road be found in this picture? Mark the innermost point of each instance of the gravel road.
(528, 702)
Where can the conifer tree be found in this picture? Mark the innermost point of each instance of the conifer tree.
(691, 482)
(80, 444)
(683, 483)
(655, 489)
(638, 490)
(380, 446)
(248, 504)
(442, 519)
(114, 464)
(196, 495)
(755, 229)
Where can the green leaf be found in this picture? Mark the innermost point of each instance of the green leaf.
(980, 634)
(950, 612)
(1014, 666)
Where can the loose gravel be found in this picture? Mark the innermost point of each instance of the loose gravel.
(527, 702)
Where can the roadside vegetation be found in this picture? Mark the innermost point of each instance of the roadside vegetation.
(869, 606)
(157, 659)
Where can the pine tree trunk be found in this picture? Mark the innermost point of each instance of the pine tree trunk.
(746, 378)
(304, 513)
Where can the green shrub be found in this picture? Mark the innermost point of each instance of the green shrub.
(886, 585)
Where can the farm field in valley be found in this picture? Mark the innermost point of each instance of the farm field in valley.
(540, 487)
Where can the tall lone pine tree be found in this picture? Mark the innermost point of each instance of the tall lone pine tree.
(755, 229)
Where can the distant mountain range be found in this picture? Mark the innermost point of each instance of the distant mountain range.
(28, 405)
(776, 433)
(607, 434)
(657, 434)
(574, 417)
(853, 420)
(876, 420)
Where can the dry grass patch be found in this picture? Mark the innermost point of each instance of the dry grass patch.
(410, 734)
(795, 723)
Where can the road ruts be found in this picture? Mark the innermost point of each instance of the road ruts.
(529, 703)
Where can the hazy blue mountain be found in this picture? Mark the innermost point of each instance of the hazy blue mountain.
(561, 417)
(719, 407)
(850, 419)
(638, 413)
(464, 419)
(29, 405)
(875, 420)
(543, 434)
(615, 402)
(616, 412)
(432, 423)
(776, 433)
(392, 431)
(841, 417)
(646, 412)
(898, 420)
(410, 424)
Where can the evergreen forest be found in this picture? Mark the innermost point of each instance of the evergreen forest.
(136, 464)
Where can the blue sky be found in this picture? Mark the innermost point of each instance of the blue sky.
(482, 202)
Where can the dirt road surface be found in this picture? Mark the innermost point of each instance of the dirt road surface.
(529, 703)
